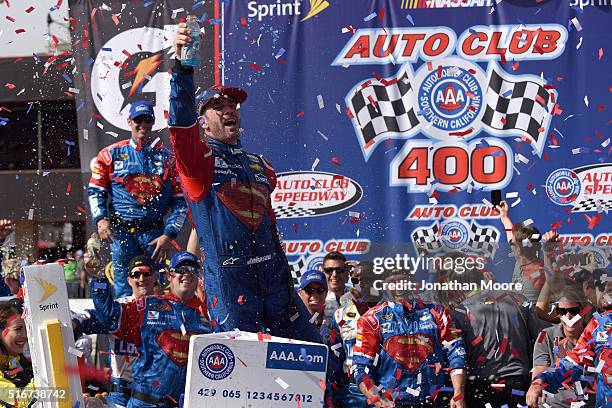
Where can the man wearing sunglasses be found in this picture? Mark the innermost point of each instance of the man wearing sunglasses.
(590, 361)
(312, 291)
(136, 179)
(555, 342)
(337, 273)
(141, 278)
(160, 327)
(228, 193)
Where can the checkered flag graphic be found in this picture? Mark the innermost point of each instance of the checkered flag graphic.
(483, 239)
(514, 104)
(592, 204)
(284, 211)
(381, 109)
(296, 270)
(427, 238)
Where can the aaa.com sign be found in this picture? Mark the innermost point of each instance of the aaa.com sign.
(313, 193)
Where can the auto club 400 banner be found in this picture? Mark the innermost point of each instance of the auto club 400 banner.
(392, 121)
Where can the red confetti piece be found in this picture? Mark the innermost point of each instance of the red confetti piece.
(600, 107)
(600, 53)
(68, 188)
(458, 397)
(429, 66)
(300, 114)
(515, 66)
(243, 21)
(464, 133)
(9, 85)
(477, 340)
(593, 221)
(30, 9)
(155, 383)
(295, 228)
(213, 303)
(439, 71)
(175, 245)
(530, 186)
(335, 161)
(11, 19)
(20, 30)
(255, 67)
(115, 19)
(241, 300)
(504, 345)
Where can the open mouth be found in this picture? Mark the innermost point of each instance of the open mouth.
(230, 122)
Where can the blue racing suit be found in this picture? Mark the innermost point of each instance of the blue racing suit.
(406, 347)
(160, 328)
(143, 187)
(592, 353)
(248, 283)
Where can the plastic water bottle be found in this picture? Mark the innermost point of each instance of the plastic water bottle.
(190, 54)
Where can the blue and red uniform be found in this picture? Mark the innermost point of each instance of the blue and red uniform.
(160, 327)
(143, 186)
(248, 284)
(594, 351)
(407, 348)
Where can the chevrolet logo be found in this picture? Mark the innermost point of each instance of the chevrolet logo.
(48, 289)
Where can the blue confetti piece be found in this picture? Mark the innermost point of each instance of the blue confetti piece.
(197, 5)
(495, 154)
(80, 106)
(67, 78)
(77, 404)
(538, 11)
(587, 379)
(3, 123)
(215, 21)
(483, 143)
(446, 389)
(45, 173)
(409, 18)
(507, 93)
(107, 49)
(30, 104)
(99, 97)
(279, 53)
(370, 17)
(203, 18)
(52, 9)
(518, 392)
(90, 61)
(472, 31)
(304, 356)
(148, 3)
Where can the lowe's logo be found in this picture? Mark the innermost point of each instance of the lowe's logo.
(272, 10)
(301, 357)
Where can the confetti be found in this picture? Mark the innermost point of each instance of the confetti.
(320, 101)
(282, 383)
(370, 17)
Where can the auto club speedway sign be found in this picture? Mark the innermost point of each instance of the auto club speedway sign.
(421, 108)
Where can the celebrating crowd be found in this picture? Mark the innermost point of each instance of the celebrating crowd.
(548, 345)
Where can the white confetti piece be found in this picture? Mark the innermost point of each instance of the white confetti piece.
(600, 366)
(20, 92)
(176, 11)
(572, 321)
(528, 222)
(579, 43)
(576, 24)
(295, 316)
(113, 134)
(412, 391)
(85, 134)
(155, 142)
(354, 214)
(514, 204)
(457, 371)
(520, 158)
(147, 77)
(512, 194)
(606, 143)
(338, 108)
(323, 135)
(314, 164)
(126, 85)
(579, 389)
(31, 214)
(282, 383)
(433, 201)
(586, 100)
(100, 125)
(320, 101)
(357, 233)
(75, 352)
(487, 202)
(314, 317)
(576, 151)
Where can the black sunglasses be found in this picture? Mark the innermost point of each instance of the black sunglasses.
(143, 119)
(562, 311)
(318, 291)
(138, 274)
(330, 271)
(192, 270)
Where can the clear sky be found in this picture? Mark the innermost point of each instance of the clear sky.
(31, 16)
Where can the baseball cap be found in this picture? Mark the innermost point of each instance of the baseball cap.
(183, 258)
(220, 91)
(140, 261)
(313, 276)
(140, 108)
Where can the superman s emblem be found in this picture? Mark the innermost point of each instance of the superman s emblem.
(143, 187)
(409, 350)
(247, 202)
(175, 345)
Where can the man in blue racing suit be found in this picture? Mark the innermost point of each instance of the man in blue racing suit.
(160, 327)
(248, 284)
(139, 179)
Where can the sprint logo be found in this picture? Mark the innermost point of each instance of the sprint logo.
(48, 289)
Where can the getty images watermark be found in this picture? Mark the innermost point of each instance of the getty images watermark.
(404, 263)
